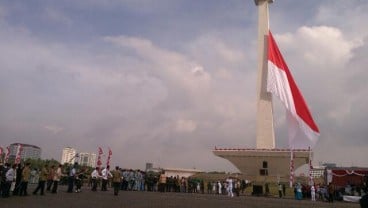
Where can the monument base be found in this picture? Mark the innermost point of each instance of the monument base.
(264, 165)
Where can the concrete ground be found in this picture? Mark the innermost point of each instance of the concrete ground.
(133, 199)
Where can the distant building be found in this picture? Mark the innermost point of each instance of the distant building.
(329, 165)
(68, 155)
(318, 172)
(87, 159)
(181, 172)
(149, 166)
(28, 151)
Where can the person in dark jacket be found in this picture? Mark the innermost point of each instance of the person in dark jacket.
(18, 179)
(364, 201)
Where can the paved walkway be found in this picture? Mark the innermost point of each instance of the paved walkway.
(133, 199)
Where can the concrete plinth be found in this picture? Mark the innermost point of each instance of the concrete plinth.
(269, 165)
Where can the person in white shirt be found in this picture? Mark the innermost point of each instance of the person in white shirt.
(230, 187)
(214, 187)
(313, 193)
(94, 176)
(106, 174)
(56, 179)
(280, 190)
(219, 187)
(9, 177)
(71, 177)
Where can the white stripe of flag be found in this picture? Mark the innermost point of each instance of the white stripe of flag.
(303, 131)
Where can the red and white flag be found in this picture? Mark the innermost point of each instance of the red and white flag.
(109, 157)
(303, 131)
(7, 154)
(100, 152)
(19, 153)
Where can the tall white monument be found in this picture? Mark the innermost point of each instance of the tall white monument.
(265, 131)
(265, 162)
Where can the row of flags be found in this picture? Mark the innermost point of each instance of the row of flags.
(7, 154)
(20, 149)
(303, 131)
(99, 157)
(100, 153)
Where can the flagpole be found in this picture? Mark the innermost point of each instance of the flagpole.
(73, 158)
(310, 166)
(291, 179)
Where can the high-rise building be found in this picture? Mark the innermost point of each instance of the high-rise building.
(27, 151)
(87, 159)
(68, 155)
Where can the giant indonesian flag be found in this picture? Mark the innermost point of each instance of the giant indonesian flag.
(303, 131)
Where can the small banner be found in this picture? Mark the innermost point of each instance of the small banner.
(100, 152)
(7, 154)
(19, 153)
(109, 157)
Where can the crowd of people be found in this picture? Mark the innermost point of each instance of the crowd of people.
(327, 193)
(14, 180)
(315, 192)
(231, 186)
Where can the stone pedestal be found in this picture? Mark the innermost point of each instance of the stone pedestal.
(264, 165)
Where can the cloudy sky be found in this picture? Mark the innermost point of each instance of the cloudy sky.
(165, 81)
